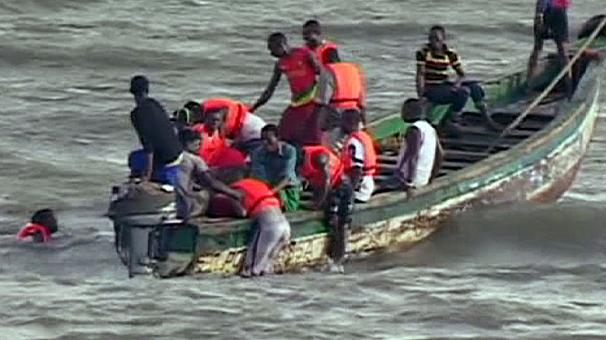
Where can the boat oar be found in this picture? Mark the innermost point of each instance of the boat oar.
(549, 88)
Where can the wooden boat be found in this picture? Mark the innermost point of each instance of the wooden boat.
(536, 161)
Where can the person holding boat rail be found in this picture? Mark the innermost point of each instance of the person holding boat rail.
(420, 154)
(550, 22)
(326, 52)
(299, 123)
(359, 161)
(275, 162)
(432, 80)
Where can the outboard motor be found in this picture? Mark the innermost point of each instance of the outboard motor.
(148, 237)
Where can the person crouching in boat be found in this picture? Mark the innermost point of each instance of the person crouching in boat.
(420, 154)
(432, 80)
(299, 122)
(275, 162)
(238, 124)
(40, 228)
(271, 228)
(359, 161)
(195, 180)
(322, 169)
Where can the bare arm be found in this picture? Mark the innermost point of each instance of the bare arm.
(411, 153)
(420, 80)
(321, 193)
(437, 163)
(269, 90)
(219, 186)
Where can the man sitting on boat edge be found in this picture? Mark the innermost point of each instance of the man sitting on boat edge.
(420, 154)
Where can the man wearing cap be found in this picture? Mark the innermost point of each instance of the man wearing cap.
(156, 133)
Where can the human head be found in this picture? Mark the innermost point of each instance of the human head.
(213, 119)
(412, 110)
(437, 37)
(351, 120)
(196, 111)
(46, 217)
(269, 134)
(312, 33)
(139, 87)
(191, 140)
(183, 118)
(277, 44)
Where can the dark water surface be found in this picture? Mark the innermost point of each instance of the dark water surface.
(508, 272)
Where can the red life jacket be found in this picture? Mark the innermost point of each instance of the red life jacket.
(301, 75)
(315, 175)
(212, 143)
(32, 228)
(322, 51)
(257, 195)
(227, 157)
(370, 155)
(235, 116)
(350, 89)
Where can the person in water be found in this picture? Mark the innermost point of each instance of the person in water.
(420, 154)
(299, 122)
(271, 228)
(550, 22)
(359, 161)
(325, 51)
(275, 162)
(195, 179)
(432, 80)
(157, 135)
(40, 228)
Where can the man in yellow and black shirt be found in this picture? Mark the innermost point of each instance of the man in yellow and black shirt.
(433, 63)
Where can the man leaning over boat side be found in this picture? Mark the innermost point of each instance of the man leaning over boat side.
(359, 161)
(420, 154)
(432, 79)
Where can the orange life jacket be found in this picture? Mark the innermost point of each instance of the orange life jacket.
(370, 155)
(32, 228)
(235, 116)
(212, 143)
(321, 51)
(301, 75)
(257, 195)
(315, 175)
(349, 92)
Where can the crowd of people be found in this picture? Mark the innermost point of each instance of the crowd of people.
(224, 160)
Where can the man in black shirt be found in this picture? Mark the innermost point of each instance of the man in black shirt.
(156, 133)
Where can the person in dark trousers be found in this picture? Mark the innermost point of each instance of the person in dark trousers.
(551, 22)
(156, 133)
(432, 80)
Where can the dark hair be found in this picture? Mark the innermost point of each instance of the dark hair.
(412, 110)
(277, 37)
(438, 28)
(139, 84)
(313, 25)
(353, 115)
(188, 135)
(46, 217)
(273, 128)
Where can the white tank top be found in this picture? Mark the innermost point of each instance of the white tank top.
(427, 153)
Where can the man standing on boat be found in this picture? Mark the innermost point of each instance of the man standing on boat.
(432, 80)
(550, 22)
(299, 123)
(156, 133)
(359, 161)
(326, 52)
(420, 154)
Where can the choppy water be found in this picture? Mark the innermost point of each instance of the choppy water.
(510, 272)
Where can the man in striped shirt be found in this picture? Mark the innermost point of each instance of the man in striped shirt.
(433, 63)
